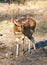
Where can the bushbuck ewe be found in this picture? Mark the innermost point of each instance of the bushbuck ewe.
(24, 27)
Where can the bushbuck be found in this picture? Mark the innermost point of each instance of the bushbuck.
(24, 27)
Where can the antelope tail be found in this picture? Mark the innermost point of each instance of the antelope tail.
(35, 29)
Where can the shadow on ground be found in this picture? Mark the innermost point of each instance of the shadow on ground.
(41, 44)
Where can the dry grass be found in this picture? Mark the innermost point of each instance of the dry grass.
(28, 7)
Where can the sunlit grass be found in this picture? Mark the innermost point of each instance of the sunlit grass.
(43, 26)
(36, 4)
(5, 26)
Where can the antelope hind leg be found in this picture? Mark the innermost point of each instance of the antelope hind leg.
(33, 43)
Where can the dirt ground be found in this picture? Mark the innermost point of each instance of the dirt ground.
(8, 45)
(35, 57)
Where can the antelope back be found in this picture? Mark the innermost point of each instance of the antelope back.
(32, 22)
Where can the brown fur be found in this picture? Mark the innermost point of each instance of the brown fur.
(26, 27)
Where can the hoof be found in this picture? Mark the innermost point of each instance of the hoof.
(35, 48)
(16, 56)
(23, 50)
(1, 34)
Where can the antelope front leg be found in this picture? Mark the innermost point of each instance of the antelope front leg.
(33, 43)
(17, 49)
(23, 43)
(17, 46)
(29, 49)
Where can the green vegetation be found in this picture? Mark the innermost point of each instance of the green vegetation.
(5, 26)
(1, 0)
(11, 1)
(43, 26)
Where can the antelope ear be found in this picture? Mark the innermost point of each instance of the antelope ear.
(12, 20)
(15, 22)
